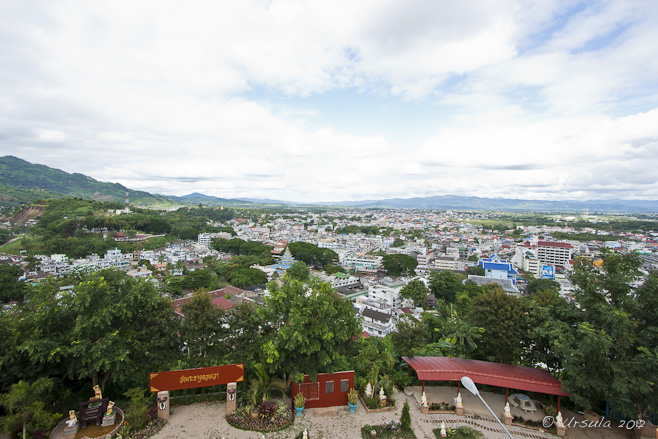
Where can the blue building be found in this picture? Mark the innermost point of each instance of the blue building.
(497, 268)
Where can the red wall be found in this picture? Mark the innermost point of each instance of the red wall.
(325, 399)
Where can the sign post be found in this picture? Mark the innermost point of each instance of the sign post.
(163, 382)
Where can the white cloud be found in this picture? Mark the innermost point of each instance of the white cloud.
(173, 98)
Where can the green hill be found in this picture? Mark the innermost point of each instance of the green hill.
(23, 182)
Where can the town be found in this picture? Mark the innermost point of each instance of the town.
(431, 284)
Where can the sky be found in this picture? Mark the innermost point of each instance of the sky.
(312, 101)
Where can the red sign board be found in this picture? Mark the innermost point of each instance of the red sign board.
(192, 378)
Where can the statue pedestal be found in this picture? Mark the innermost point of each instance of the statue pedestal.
(69, 432)
(163, 405)
(231, 398)
(508, 420)
(444, 433)
(561, 431)
(109, 420)
(459, 411)
(382, 402)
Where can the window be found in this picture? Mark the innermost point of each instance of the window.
(329, 387)
(344, 386)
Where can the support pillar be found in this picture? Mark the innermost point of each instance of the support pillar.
(231, 397)
(163, 405)
(423, 385)
(558, 403)
(506, 395)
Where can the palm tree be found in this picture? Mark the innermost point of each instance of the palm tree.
(262, 383)
(24, 404)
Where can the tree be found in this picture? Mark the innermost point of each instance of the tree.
(262, 385)
(445, 284)
(410, 336)
(299, 271)
(398, 265)
(505, 324)
(615, 348)
(536, 285)
(405, 418)
(416, 291)
(10, 287)
(203, 330)
(462, 335)
(312, 255)
(315, 327)
(106, 326)
(25, 405)
(245, 333)
(477, 270)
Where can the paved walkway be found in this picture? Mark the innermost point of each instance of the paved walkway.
(207, 421)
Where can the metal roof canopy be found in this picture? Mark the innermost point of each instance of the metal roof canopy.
(508, 376)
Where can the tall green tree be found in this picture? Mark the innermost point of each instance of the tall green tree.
(537, 285)
(462, 335)
(444, 285)
(399, 265)
(505, 324)
(410, 336)
(617, 337)
(299, 271)
(107, 325)
(203, 330)
(25, 405)
(10, 287)
(416, 291)
(315, 327)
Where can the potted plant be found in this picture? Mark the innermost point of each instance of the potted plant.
(352, 399)
(300, 401)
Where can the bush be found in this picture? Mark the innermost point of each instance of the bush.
(405, 418)
(137, 410)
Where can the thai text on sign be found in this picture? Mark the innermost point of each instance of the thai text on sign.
(192, 378)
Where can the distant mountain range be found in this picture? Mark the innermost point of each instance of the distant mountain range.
(24, 182)
(502, 204)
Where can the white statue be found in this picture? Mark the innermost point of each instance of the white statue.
(508, 411)
(72, 421)
(458, 400)
(305, 436)
(443, 429)
(558, 420)
(369, 390)
(423, 400)
(381, 394)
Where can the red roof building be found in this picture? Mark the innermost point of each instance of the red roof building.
(508, 376)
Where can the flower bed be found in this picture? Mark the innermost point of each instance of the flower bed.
(462, 432)
(376, 406)
(402, 433)
(275, 416)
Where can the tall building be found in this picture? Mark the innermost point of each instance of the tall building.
(554, 253)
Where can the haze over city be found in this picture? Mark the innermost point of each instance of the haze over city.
(330, 101)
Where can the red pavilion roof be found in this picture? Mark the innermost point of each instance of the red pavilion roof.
(509, 376)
